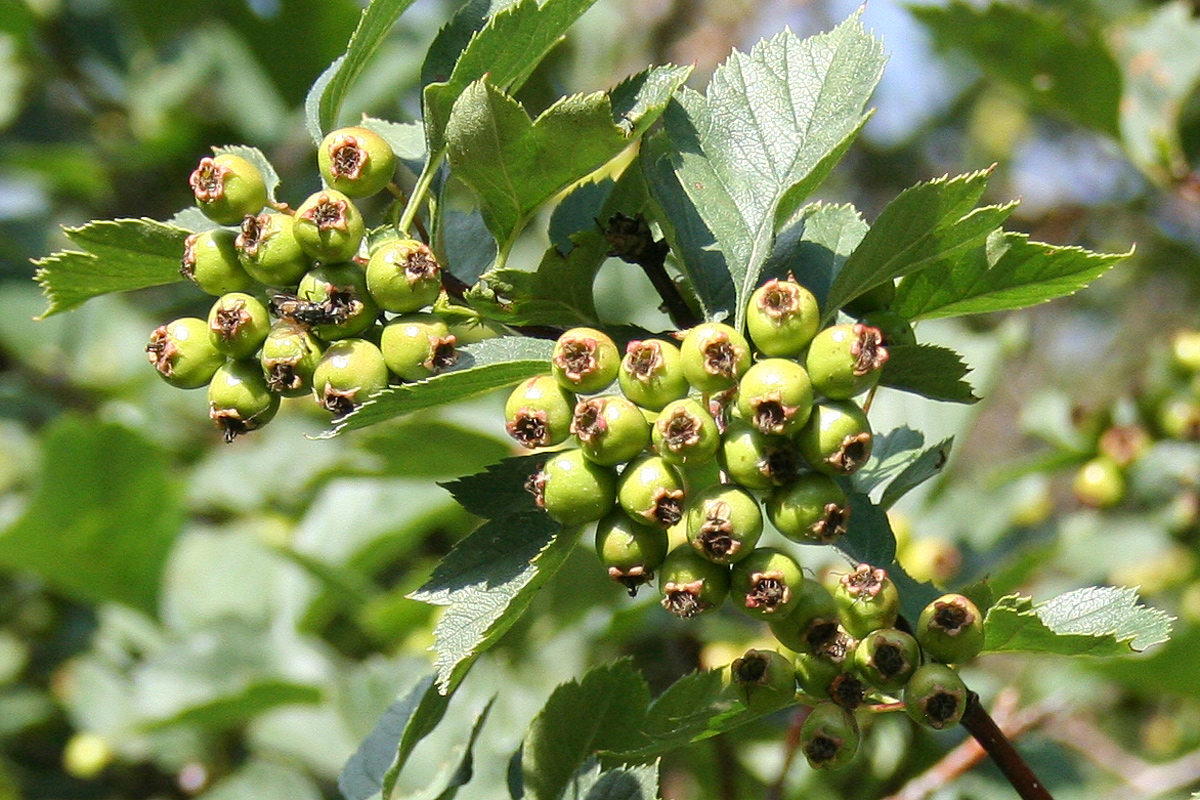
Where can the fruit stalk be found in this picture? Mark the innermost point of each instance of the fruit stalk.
(984, 729)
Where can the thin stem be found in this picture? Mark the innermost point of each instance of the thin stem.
(633, 242)
(398, 193)
(424, 181)
(987, 733)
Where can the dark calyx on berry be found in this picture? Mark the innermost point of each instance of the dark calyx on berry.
(589, 423)
(768, 590)
(577, 358)
(667, 507)
(644, 359)
(853, 453)
(716, 535)
(252, 229)
(832, 526)
(847, 691)
(328, 213)
(865, 581)
(529, 427)
(683, 599)
(868, 349)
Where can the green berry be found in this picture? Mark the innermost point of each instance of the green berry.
(585, 360)
(611, 430)
(829, 737)
(329, 226)
(356, 161)
(651, 373)
(815, 674)
(813, 509)
(876, 298)
(691, 584)
(210, 260)
(574, 490)
(183, 353)
(1178, 417)
(685, 433)
(811, 625)
(867, 600)
(763, 680)
(227, 188)
(775, 396)
(950, 629)
(1099, 483)
(846, 360)
(886, 658)
(337, 296)
(755, 460)
(630, 551)
(765, 583)
(289, 357)
(714, 356)
(935, 696)
(724, 523)
(417, 346)
(350, 371)
(782, 318)
(239, 400)
(269, 252)
(238, 324)
(895, 329)
(848, 690)
(538, 413)
(651, 489)
(403, 276)
(837, 438)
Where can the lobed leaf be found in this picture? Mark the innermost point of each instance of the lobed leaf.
(927, 465)
(813, 247)
(1096, 621)
(499, 489)
(929, 370)
(559, 292)
(890, 453)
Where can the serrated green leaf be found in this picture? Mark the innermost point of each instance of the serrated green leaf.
(891, 452)
(601, 711)
(922, 225)
(929, 370)
(323, 104)
(1095, 621)
(559, 292)
(487, 581)
(814, 246)
(407, 140)
(1059, 65)
(465, 769)
(498, 490)
(237, 709)
(118, 256)
(927, 465)
(481, 368)
(619, 783)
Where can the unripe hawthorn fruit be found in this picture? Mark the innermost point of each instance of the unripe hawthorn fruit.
(210, 260)
(611, 430)
(417, 346)
(886, 658)
(268, 250)
(815, 674)
(350, 371)
(813, 509)
(829, 737)
(329, 227)
(848, 690)
(874, 299)
(782, 318)
(239, 400)
(950, 629)
(585, 360)
(289, 357)
(1099, 483)
(356, 161)
(845, 360)
(765, 583)
(238, 324)
(339, 301)
(691, 584)
(403, 276)
(867, 600)
(538, 413)
(763, 680)
(714, 356)
(837, 438)
(685, 433)
(935, 696)
(755, 460)
(895, 329)
(651, 373)
(775, 396)
(227, 188)
(724, 523)
(630, 551)
(811, 625)
(574, 490)
(183, 353)
(652, 490)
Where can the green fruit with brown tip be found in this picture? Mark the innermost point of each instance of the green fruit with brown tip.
(829, 737)
(227, 188)
(289, 357)
(338, 297)
(685, 433)
(349, 372)
(611, 430)
(651, 373)
(691, 584)
(811, 625)
(782, 318)
(183, 353)
(238, 324)
(837, 438)
(329, 227)
(724, 523)
(845, 360)
(574, 490)
(714, 356)
(813, 509)
(239, 400)
(867, 600)
(268, 250)
(775, 396)
(763, 680)
(650, 489)
(935, 696)
(356, 161)
(886, 658)
(755, 460)
(418, 346)
(210, 260)
(766, 583)
(538, 412)
(585, 360)
(950, 629)
(403, 276)
(629, 551)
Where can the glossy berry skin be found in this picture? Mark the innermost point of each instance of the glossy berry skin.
(845, 360)
(724, 523)
(356, 161)
(886, 658)
(829, 737)
(867, 600)
(685, 433)
(269, 252)
(611, 430)
(837, 438)
(403, 276)
(765, 583)
(630, 551)
(239, 400)
(691, 584)
(812, 623)
(329, 227)
(289, 356)
(950, 629)
(417, 346)
(538, 413)
(651, 490)
(755, 460)
(782, 318)
(350, 371)
(763, 680)
(574, 490)
(714, 356)
(775, 396)
(210, 260)
(651, 373)
(585, 360)
(183, 353)
(238, 324)
(935, 696)
(815, 674)
(1099, 483)
(227, 188)
(813, 509)
(338, 293)
(895, 329)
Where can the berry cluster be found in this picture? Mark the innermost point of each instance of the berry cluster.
(301, 307)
